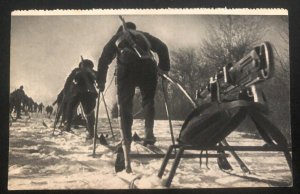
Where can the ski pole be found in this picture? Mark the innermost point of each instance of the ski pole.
(181, 89)
(95, 127)
(167, 111)
(123, 143)
(57, 117)
(125, 151)
(112, 133)
(82, 111)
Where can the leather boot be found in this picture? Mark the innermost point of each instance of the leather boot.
(149, 137)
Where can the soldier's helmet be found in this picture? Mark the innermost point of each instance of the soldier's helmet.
(86, 63)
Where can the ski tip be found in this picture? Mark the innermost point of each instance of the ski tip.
(102, 140)
(44, 124)
(120, 160)
(136, 137)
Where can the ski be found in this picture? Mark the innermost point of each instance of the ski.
(172, 156)
(150, 148)
(129, 179)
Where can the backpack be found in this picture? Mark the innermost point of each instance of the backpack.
(133, 46)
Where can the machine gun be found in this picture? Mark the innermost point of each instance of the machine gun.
(241, 77)
(208, 125)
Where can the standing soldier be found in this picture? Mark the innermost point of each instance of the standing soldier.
(79, 88)
(16, 98)
(41, 106)
(35, 107)
(136, 67)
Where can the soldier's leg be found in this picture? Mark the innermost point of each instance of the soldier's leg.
(88, 102)
(125, 99)
(148, 87)
(69, 111)
(64, 112)
(18, 109)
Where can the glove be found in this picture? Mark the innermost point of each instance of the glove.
(101, 86)
(161, 72)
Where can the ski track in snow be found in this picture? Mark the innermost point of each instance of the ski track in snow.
(38, 160)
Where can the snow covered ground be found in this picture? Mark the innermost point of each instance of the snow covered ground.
(38, 160)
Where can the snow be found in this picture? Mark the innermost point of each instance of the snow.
(39, 160)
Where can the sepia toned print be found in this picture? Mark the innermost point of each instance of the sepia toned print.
(149, 99)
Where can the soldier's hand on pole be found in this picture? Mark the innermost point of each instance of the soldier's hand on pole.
(162, 72)
(101, 86)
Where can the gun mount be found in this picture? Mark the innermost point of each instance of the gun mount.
(208, 125)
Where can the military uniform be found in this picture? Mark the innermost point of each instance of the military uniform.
(79, 88)
(134, 71)
(16, 98)
(41, 106)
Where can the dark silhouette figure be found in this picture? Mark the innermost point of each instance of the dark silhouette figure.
(134, 69)
(79, 88)
(16, 99)
(40, 107)
(49, 110)
(35, 107)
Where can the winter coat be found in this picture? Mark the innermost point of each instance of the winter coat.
(111, 51)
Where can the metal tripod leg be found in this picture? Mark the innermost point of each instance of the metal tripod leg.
(165, 161)
(174, 166)
(273, 132)
(167, 112)
(243, 166)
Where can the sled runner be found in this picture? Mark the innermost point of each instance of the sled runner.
(209, 124)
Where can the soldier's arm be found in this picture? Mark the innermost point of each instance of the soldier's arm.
(55, 102)
(162, 51)
(108, 54)
(69, 79)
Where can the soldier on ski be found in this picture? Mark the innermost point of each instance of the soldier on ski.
(40, 107)
(49, 110)
(79, 88)
(35, 107)
(16, 98)
(134, 69)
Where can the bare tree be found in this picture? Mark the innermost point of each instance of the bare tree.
(229, 38)
(187, 68)
(281, 52)
(279, 87)
(190, 71)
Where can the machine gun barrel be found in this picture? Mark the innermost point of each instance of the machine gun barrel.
(255, 67)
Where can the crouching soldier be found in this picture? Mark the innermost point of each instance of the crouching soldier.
(79, 88)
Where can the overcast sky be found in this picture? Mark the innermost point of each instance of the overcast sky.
(45, 49)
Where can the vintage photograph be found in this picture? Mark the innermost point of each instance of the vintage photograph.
(149, 99)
